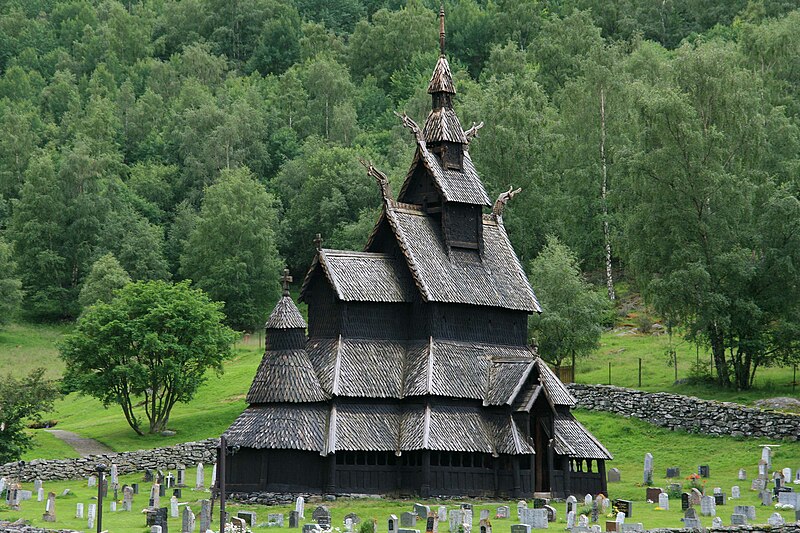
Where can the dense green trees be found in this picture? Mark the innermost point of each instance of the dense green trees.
(10, 293)
(658, 142)
(147, 349)
(22, 401)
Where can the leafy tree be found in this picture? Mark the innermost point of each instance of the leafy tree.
(22, 401)
(572, 311)
(712, 234)
(232, 252)
(10, 286)
(147, 350)
(106, 276)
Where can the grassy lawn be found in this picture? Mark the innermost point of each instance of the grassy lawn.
(622, 349)
(25, 347)
(48, 447)
(627, 439)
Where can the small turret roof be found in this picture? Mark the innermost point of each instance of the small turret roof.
(442, 78)
(286, 315)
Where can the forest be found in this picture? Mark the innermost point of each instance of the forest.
(211, 140)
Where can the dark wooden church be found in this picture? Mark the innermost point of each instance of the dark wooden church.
(415, 376)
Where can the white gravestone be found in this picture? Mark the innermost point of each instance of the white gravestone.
(200, 479)
(663, 501)
(79, 510)
(648, 469)
(300, 507)
(735, 492)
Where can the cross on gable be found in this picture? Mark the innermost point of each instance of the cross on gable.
(286, 279)
(318, 241)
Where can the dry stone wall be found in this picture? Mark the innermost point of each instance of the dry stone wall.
(187, 453)
(688, 413)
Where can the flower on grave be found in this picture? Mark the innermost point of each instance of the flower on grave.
(659, 509)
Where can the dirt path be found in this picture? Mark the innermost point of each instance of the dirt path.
(82, 445)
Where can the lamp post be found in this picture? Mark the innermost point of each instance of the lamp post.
(100, 468)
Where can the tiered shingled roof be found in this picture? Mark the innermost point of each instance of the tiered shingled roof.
(573, 440)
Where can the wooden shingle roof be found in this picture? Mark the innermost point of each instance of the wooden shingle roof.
(442, 78)
(443, 125)
(294, 427)
(573, 440)
(463, 186)
(285, 315)
(362, 276)
(553, 388)
(496, 280)
(286, 376)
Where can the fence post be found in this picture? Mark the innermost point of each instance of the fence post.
(640, 372)
(609, 372)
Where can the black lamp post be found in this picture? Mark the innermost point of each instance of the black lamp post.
(100, 468)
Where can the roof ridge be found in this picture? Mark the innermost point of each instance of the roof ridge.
(285, 315)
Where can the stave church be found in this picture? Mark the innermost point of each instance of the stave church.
(413, 375)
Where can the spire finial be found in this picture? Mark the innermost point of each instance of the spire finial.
(286, 279)
(441, 29)
(318, 241)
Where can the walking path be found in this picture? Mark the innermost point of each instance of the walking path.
(82, 445)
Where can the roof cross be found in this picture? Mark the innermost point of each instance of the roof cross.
(318, 241)
(286, 279)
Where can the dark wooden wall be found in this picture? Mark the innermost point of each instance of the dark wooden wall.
(477, 324)
(324, 309)
(368, 320)
(462, 224)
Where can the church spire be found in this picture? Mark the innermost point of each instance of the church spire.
(441, 30)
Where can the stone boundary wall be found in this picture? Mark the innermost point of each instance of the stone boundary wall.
(688, 413)
(187, 453)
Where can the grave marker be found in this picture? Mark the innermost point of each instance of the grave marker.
(200, 478)
(613, 475)
(50, 509)
(187, 521)
(648, 469)
(663, 501)
(625, 507)
(205, 515)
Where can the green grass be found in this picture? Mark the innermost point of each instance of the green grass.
(46, 446)
(627, 439)
(623, 348)
(25, 347)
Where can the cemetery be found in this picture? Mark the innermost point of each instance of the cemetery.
(409, 399)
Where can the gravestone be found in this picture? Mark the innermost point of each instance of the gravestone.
(181, 475)
(214, 475)
(606, 505)
(294, 519)
(354, 517)
(114, 473)
(652, 493)
(148, 475)
(703, 471)
(695, 496)
(127, 498)
(25, 495)
(314, 528)
(735, 492)
(762, 468)
(766, 456)
(708, 506)
(587, 500)
(90, 514)
(205, 515)
(613, 475)
(79, 510)
(673, 472)
(300, 506)
(552, 514)
(276, 520)
(178, 493)
(776, 520)
(50, 509)
(663, 501)
(787, 474)
(583, 521)
(112, 506)
(421, 510)
(648, 469)
(758, 484)
(620, 519)
(238, 524)
(539, 503)
(155, 529)
(431, 524)
(742, 474)
(173, 507)
(522, 504)
(456, 518)
(408, 519)
(766, 497)
(37, 484)
(92, 481)
(407, 530)
(719, 498)
(442, 514)
(570, 519)
(789, 498)
(716, 523)
(169, 481)
(690, 519)
(248, 516)
(749, 511)
(188, 521)
(160, 477)
(572, 504)
(200, 478)
(632, 527)
(322, 516)
(40, 495)
(484, 514)
(65, 492)
(595, 515)
(392, 524)
(155, 495)
(625, 507)
(162, 490)
(520, 528)
(135, 487)
(738, 519)
(504, 511)
(536, 518)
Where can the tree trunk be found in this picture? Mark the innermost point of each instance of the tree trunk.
(718, 352)
(603, 195)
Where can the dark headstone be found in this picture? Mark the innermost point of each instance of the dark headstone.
(611, 525)
(322, 516)
(162, 490)
(148, 476)
(135, 487)
(685, 501)
(539, 503)
(248, 516)
(177, 493)
(673, 472)
(613, 475)
(703, 471)
(624, 506)
(294, 519)
(719, 499)
(653, 492)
